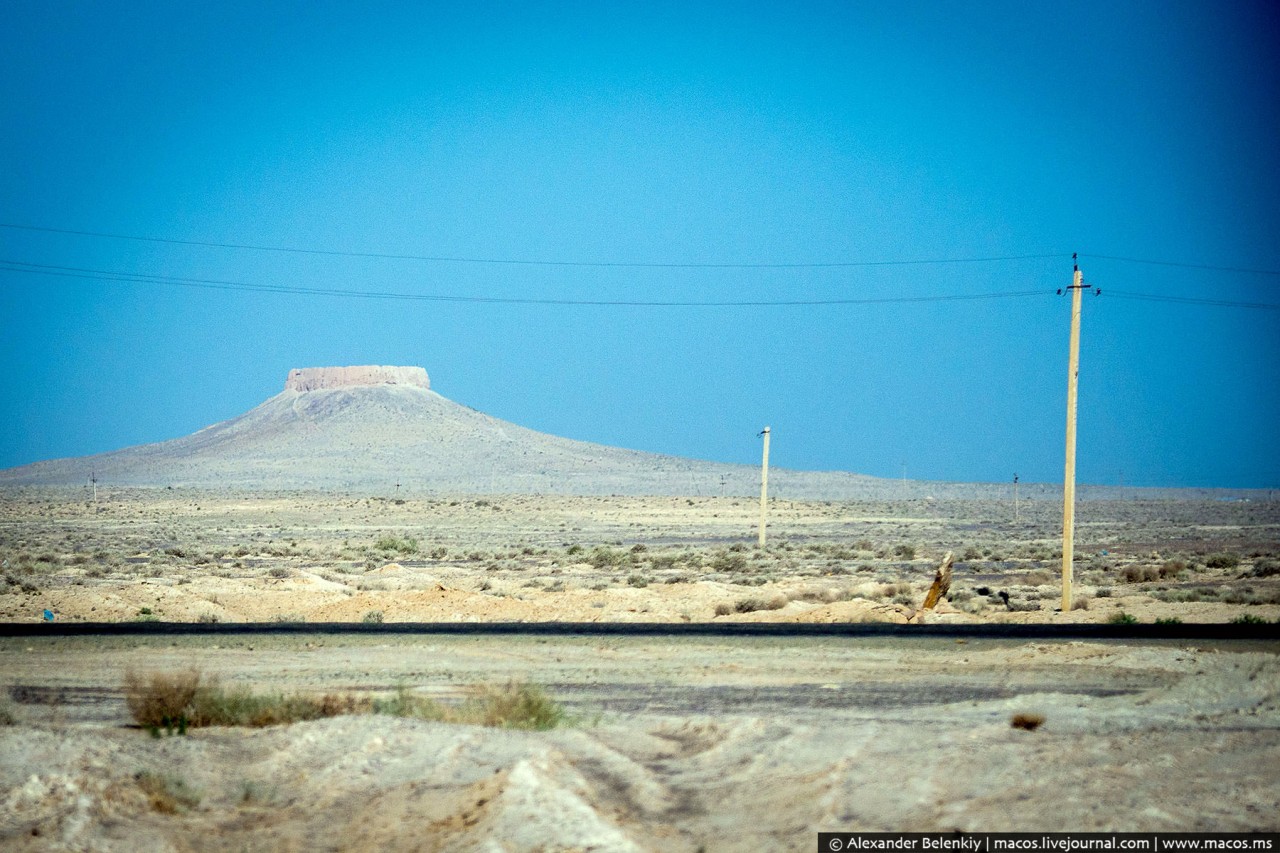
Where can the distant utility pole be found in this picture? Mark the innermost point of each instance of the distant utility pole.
(93, 481)
(1069, 474)
(1015, 497)
(764, 484)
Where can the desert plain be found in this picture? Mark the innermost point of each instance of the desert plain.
(667, 743)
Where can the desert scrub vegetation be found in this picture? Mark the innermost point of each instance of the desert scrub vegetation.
(727, 561)
(168, 794)
(750, 605)
(173, 702)
(604, 557)
(406, 546)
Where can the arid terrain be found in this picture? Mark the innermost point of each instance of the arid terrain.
(695, 744)
(171, 555)
(683, 744)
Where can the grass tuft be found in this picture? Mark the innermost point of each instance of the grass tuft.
(167, 794)
(176, 701)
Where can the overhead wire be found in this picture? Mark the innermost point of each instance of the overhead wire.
(1191, 300)
(533, 262)
(1184, 264)
(220, 284)
(459, 259)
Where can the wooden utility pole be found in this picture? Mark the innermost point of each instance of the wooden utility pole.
(764, 485)
(1015, 498)
(1069, 474)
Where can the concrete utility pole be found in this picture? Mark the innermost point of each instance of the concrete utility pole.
(1069, 474)
(764, 485)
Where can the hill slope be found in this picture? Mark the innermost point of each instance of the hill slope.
(360, 429)
(371, 428)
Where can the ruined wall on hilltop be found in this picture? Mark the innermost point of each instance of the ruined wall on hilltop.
(317, 378)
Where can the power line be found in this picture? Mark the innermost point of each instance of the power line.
(218, 284)
(302, 250)
(1189, 300)
(1183, 264)
(524, 261)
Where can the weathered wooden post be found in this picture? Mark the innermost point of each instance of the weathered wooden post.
(764, 486)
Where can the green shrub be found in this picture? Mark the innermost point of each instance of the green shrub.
(1248, 619)
(1264, 569)
(1123, 618)
(400, 546)
(604, 557)
(373, 617)
(906, 552)
(1222, 560)
(726, 561)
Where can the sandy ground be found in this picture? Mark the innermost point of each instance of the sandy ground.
(692, 745)
(174, 556)
(695, 744)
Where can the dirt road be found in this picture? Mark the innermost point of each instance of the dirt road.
(677, 744)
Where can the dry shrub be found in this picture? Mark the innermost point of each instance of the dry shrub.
(514, 705)
(750, 605)
(167, 794)
(239, 706)
(821, 595)
(179, 700)
(1030, 722)
(724, 608)
(160, 699)
(1141, 574)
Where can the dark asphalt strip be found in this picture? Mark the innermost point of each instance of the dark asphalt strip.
(1194, 631)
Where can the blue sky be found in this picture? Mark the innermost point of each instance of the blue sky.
(789, 133)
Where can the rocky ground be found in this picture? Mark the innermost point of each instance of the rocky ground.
(298, 557)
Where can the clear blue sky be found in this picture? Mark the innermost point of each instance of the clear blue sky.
(652, 133)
